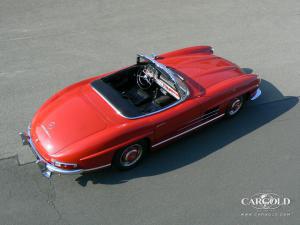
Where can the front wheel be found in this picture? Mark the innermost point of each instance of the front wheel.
(130, 156)
(235, 106)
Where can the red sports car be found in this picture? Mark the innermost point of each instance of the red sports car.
(116, 118)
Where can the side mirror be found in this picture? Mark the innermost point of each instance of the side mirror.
(153, 56)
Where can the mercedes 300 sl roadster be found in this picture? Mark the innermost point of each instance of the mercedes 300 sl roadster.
(116, 118)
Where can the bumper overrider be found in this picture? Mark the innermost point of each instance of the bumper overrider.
(46, 168)
(256, 94)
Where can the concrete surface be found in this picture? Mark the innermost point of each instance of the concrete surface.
(46, 45)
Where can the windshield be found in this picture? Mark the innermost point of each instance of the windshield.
(168, 76)
(182, 88)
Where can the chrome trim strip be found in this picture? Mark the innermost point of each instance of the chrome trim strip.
(54, 169)
(199, 119)
(187, 131)
(257, 94)
(209, 116)
(214, 111)
(205, 116)
(97, 168)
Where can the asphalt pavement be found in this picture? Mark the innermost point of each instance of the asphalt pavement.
(200, 179)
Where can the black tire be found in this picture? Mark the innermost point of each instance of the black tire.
(130, 156)
(235, 106)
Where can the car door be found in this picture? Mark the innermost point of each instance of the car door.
(171, 121)
(185, 117)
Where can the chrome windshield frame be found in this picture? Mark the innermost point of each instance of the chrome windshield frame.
(166, 70)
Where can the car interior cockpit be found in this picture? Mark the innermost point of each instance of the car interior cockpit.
(142, 89)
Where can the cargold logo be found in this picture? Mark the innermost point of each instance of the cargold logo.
(266, 201)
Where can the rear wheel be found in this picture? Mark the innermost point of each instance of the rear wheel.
(130, 156)
(235, 106)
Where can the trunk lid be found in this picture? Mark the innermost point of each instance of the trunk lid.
(65, 119)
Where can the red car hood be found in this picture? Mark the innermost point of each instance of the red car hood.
(207, 70)
(64, 119)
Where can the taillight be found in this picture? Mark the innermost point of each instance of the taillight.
(63, 165)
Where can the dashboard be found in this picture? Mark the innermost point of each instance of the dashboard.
(153, 74)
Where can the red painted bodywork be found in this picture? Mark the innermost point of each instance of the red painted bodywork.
(77, 126)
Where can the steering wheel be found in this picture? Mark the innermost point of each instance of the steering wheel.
(144, 78)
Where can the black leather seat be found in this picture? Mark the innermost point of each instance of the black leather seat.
(158, 104)
(163, 100)
(138, 96)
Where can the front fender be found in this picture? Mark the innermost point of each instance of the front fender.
(187, 51)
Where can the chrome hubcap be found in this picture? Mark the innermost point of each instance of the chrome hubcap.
(235, 107)
(131, 155)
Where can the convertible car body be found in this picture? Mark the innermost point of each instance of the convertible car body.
(115, 118)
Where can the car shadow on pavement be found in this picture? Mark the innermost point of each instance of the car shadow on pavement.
(203, 142)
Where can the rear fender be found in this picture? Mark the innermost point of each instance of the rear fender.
(119, 146)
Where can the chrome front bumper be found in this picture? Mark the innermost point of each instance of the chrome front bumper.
(256, 95)
(46, 168)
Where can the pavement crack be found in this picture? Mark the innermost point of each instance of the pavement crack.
(51, 197)
(10, 157)
(28, 163)
(16, 158)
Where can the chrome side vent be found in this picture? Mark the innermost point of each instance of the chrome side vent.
(210, 114)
